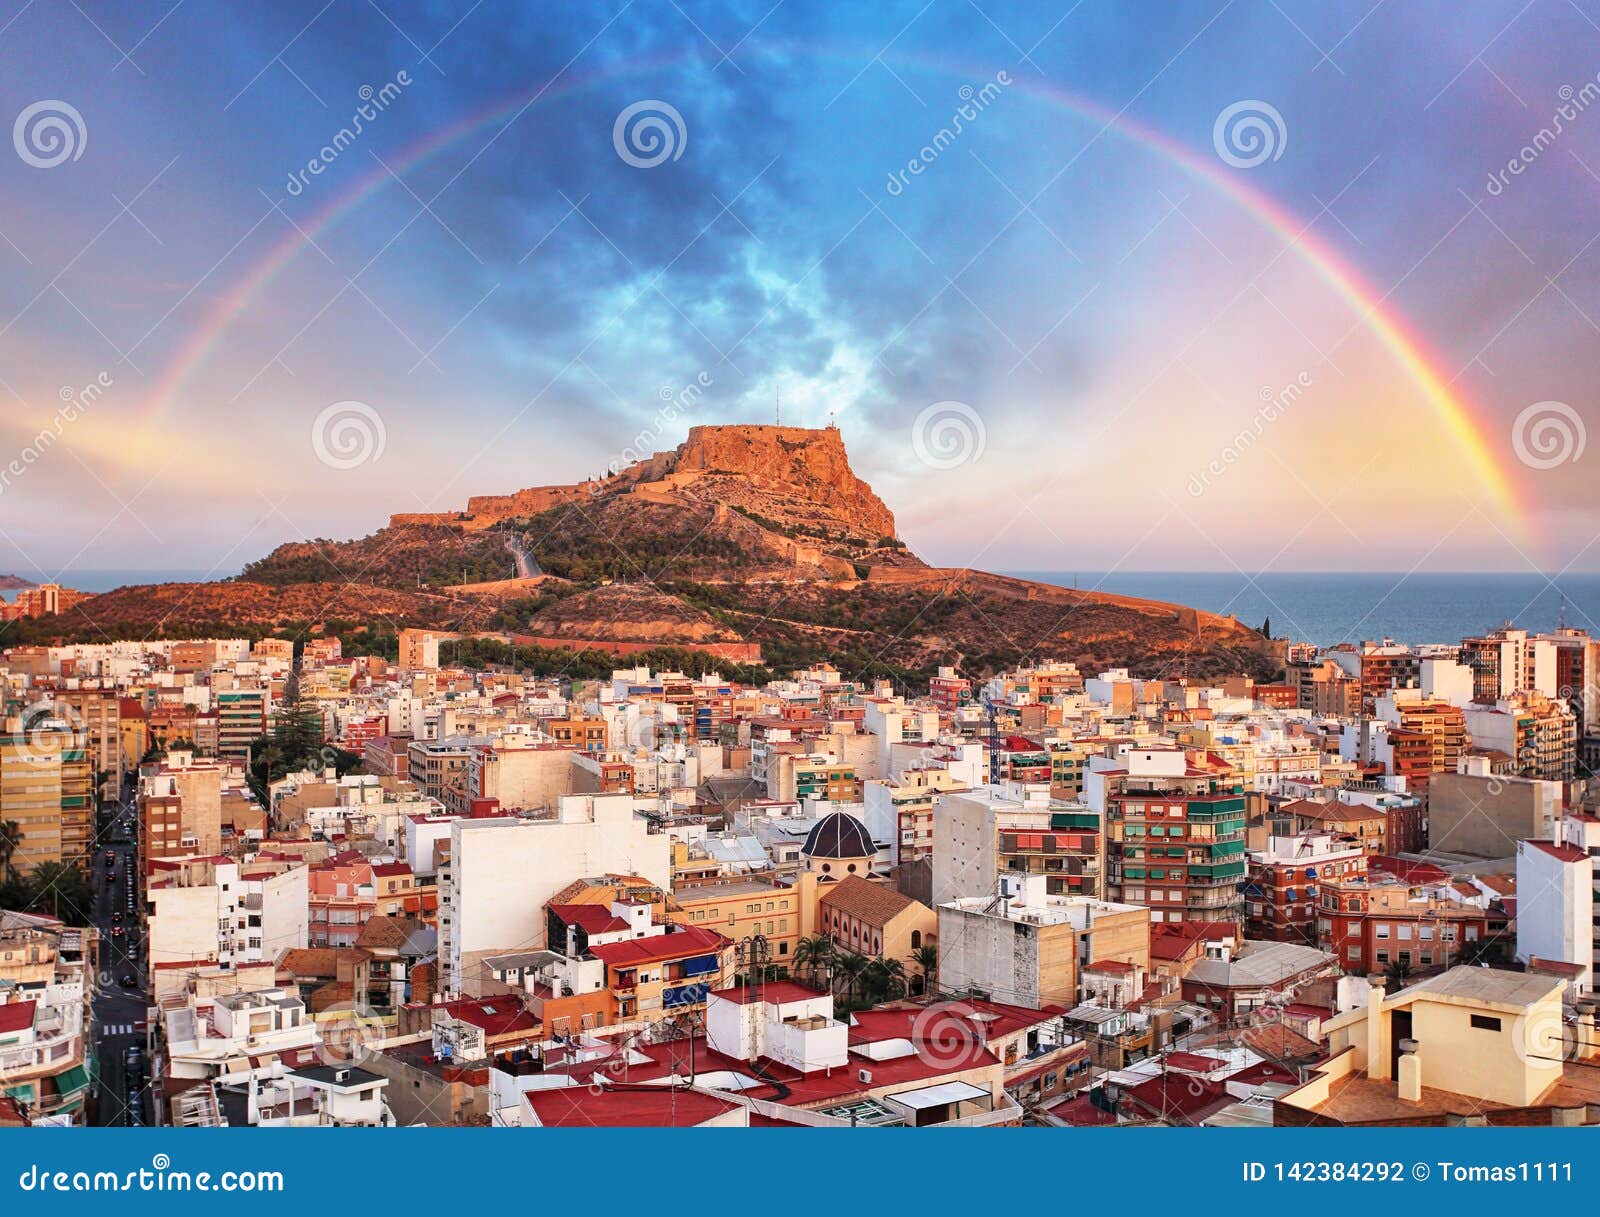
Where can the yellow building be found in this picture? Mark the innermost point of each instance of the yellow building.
(46, 789)
(741, 907)
(871, 918)
(1471, 1045)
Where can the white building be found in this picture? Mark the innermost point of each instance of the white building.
(205, 914)
(503, 871)
(1555, 906)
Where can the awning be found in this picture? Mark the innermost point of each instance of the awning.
(70, 1081)
(937, 1096)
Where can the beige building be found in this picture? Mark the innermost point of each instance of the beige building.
(871, 918)
(1025, 948)
(1469, 1046)
(46, 790)
(521, 773)
(180, 808)
(1470, 813)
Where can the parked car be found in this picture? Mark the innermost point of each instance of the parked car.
(128, 981)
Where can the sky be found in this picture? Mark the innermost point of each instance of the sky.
(1227, 285)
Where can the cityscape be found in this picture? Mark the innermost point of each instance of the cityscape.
(608, 865)
(949, 564)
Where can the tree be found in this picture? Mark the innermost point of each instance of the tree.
(1266, 628)
(60, 889)
(849, 967)
(886, 979)
(10, 842)
(927, 960)
(812, 955)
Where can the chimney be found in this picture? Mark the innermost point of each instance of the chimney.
(1377, 1036)
(1410, 1080)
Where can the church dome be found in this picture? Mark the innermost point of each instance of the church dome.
(838, 835)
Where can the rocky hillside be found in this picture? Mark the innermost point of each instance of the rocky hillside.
(740, 534)
(629, 613)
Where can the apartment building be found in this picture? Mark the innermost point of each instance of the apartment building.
(744, 906)
(1281, 890)
(242, 714)
(47, 979)
(46, 789)
(503, 871)
(213, 914)
(1174, 836)
(1373, 921)
(180, 806)
(1025, 947)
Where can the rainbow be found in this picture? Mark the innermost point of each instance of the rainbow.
(1453, 411)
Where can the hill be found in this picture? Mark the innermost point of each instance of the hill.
(740, 534)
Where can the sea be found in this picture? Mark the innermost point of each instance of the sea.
(1334, 607)
(1324, 608)
(93, 580)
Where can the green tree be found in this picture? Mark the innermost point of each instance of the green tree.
(10, 842)
(849, 967)
(60, 889)
(812, 956)
(885, 980)
(927, 960)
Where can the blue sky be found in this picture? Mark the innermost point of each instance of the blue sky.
(513, 307)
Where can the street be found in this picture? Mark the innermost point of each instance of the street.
(119, 1013)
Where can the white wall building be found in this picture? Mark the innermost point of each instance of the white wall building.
(503, 871)
(1555, 905)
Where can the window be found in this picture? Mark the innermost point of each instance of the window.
(1485, 1023)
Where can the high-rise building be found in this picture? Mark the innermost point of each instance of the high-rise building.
(241, 720)
(46, 789)
(1175, 836)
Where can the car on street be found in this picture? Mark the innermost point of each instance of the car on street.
(128, 981)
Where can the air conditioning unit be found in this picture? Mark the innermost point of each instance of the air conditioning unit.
(864, 1076)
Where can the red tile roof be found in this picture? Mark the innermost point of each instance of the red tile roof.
(1191, 1062)
(496, 1015)
(590, 918)
(623, 1107)
(689, 940)
(17, 1016)
(1181, 1098)
(1081, 1112)
(1560, 852)
(777, 992)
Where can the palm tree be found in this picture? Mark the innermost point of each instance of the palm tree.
(61, 887)
(886, 979)
(10, 841)
(927, 960)
(850, 967)
(813, 955)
